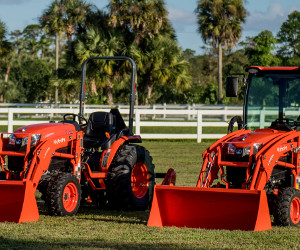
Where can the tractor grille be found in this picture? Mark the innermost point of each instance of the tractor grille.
(237, 158)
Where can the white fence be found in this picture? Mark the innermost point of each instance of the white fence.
(187, 117)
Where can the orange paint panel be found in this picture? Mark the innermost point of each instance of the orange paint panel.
(209, 208)
(17, 202)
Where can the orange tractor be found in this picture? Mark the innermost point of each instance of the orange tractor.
(76, 160)
(251, 173)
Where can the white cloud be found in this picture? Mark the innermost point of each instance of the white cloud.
(293, 9)
(180, 18)
(271, 20)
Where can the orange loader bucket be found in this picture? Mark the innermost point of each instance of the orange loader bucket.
(17, 202)
(209, 208)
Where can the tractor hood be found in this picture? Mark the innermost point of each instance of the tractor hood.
(258, 136)
(45, 130)
(250, 143)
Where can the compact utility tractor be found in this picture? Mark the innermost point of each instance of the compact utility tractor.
(249, 173)
(75, 161)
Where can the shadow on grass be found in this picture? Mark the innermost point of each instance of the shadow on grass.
(103, 214)
(93, 213)
(56, 243)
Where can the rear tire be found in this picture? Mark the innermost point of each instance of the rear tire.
(287, 209)
(63, 195)
(131, 179)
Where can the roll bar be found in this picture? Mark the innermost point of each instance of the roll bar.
(132, 95)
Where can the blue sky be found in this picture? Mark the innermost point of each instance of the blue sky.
(263, 14)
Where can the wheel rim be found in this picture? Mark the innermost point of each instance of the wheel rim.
(295, 210)
(70, 196)
(140, 180)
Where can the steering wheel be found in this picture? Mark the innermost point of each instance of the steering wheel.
(80, 117)
(234, 119)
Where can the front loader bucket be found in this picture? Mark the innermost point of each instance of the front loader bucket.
(209, 208)
(17, 202)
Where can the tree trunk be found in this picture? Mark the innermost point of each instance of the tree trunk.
(149, 89)
(7, 74)
(94, 87)
(69, 42)
(109, 92)
(56, 64)
(220, 66)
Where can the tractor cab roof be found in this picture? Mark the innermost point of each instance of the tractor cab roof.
(256, 69)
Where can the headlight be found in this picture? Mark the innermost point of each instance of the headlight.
(231, 149)
(12, 139)
(246, 150)
(256, 148)
(35, 138)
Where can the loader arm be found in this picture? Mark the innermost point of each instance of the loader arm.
(18, 203)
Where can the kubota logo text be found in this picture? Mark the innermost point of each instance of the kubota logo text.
(280, 149)
(57, 141)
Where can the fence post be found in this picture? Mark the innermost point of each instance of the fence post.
(137, 122)
(10, 120)
(199, 125)
(262, 118)
(225, 115)
(154, 108)
(188, 108)
(193, 108)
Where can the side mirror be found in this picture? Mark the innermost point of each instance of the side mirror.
(232, 86)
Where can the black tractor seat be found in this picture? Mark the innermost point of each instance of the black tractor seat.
(99, 128)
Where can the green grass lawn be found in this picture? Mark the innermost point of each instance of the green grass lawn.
(92, 228)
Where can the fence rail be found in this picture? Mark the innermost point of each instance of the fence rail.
(143, 118)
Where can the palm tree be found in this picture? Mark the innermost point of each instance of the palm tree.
(160, 64)
(220, 24)
(142, 18)
(52, 21)
(63, 16)
(150, 39)
(31, 35)
(100, 42)
(75, 14)
(6, 50)
(17, 40)
(5, 46)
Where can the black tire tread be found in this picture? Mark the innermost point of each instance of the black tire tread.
(55, 190)
(119, 178)
(282, 206)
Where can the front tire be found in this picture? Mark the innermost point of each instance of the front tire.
(63, 195)
(287, 210)
(131, 179)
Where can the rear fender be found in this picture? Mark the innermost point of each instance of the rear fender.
(109, 154)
